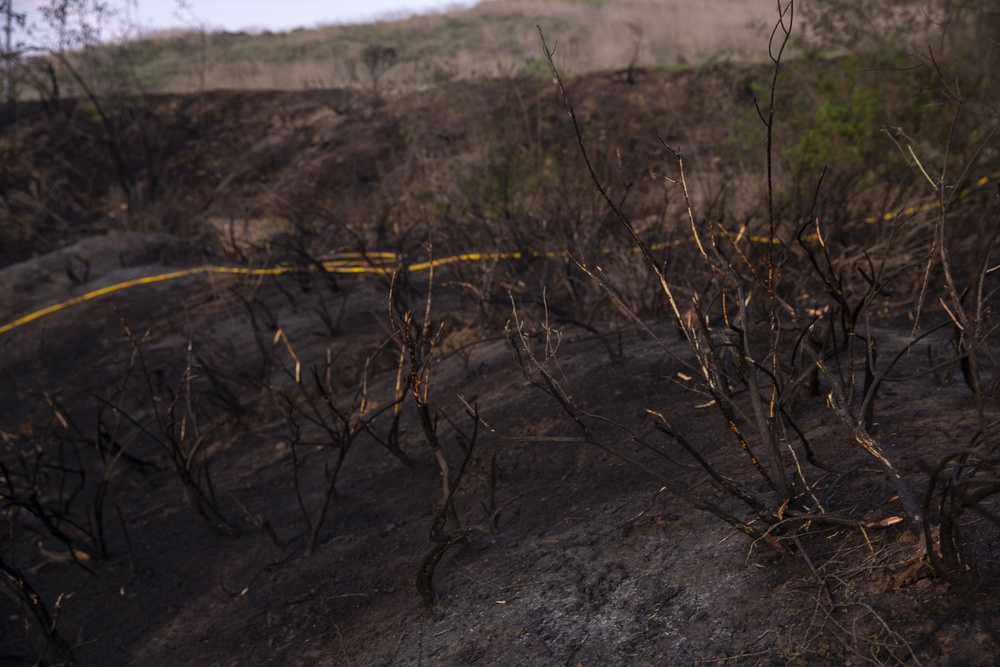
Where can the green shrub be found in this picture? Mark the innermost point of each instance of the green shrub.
(533, 68)
(838, 113)
(505, 183)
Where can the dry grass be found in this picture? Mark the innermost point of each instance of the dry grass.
(497, 37)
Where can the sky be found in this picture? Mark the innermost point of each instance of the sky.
(280, 15)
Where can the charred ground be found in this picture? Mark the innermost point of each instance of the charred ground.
(182, 436)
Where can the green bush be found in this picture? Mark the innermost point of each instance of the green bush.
(533, 68)
(838, 113)
(505, 184)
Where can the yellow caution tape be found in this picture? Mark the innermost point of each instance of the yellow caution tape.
(924, 207)
(355, 263)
